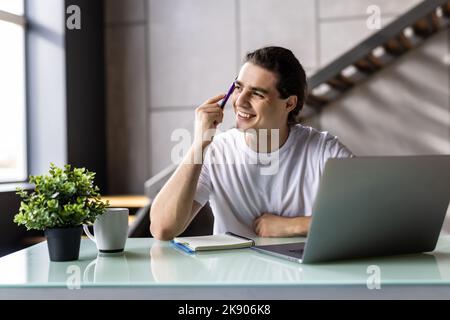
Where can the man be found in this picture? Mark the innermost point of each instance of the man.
(269, 93)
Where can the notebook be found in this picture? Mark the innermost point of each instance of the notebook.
(212, 242)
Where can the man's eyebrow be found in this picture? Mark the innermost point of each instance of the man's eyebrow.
(262, 90)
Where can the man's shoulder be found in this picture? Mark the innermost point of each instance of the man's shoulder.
(322, 141)
(310, 134)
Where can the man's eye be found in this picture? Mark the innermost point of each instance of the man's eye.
(258, 95)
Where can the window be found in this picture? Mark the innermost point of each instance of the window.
(13, 156)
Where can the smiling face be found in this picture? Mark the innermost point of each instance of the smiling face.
(256, 100)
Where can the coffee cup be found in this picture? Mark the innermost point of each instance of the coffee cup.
(110, 230)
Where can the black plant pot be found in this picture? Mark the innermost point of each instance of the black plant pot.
(64, 243)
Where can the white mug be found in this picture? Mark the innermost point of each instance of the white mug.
(110, 230)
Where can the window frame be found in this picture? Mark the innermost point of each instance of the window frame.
(22, 21)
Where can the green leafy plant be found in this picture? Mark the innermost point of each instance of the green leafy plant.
(67, 197)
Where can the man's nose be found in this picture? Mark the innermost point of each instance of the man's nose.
(242, 98)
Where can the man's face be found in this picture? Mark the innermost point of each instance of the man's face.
(256, 100)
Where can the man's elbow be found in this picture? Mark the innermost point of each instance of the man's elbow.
(161, 233)
(157, 230)
(160, 228)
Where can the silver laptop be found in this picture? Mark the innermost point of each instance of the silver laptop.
(374, 206)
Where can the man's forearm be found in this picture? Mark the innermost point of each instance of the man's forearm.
(171, 209)
(300, 227)
(273, 225)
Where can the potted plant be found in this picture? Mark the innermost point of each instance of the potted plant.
(60, 204)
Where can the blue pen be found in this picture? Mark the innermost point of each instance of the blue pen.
(230, 91)
(182, 247)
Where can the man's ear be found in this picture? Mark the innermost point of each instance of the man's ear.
(291, 103)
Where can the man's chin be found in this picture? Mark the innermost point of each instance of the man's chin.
(242, 126)
(246, 128)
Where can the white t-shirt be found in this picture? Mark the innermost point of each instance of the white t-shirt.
(242, 184)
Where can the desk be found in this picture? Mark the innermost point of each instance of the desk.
(151, 269)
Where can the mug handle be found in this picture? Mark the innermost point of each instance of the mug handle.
(88, 233)
(88, 268)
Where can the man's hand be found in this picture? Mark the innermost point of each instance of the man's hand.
(207, 117)
(271, 225)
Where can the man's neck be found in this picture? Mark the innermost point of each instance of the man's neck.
(267, 140)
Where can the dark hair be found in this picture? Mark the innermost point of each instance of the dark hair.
(290, 74)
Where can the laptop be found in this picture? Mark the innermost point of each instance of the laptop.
(374, 206)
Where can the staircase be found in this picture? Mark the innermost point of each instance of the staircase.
(375, 53)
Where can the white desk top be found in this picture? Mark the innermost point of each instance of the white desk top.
(148, 264)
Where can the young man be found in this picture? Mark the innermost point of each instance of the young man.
(249, 196)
